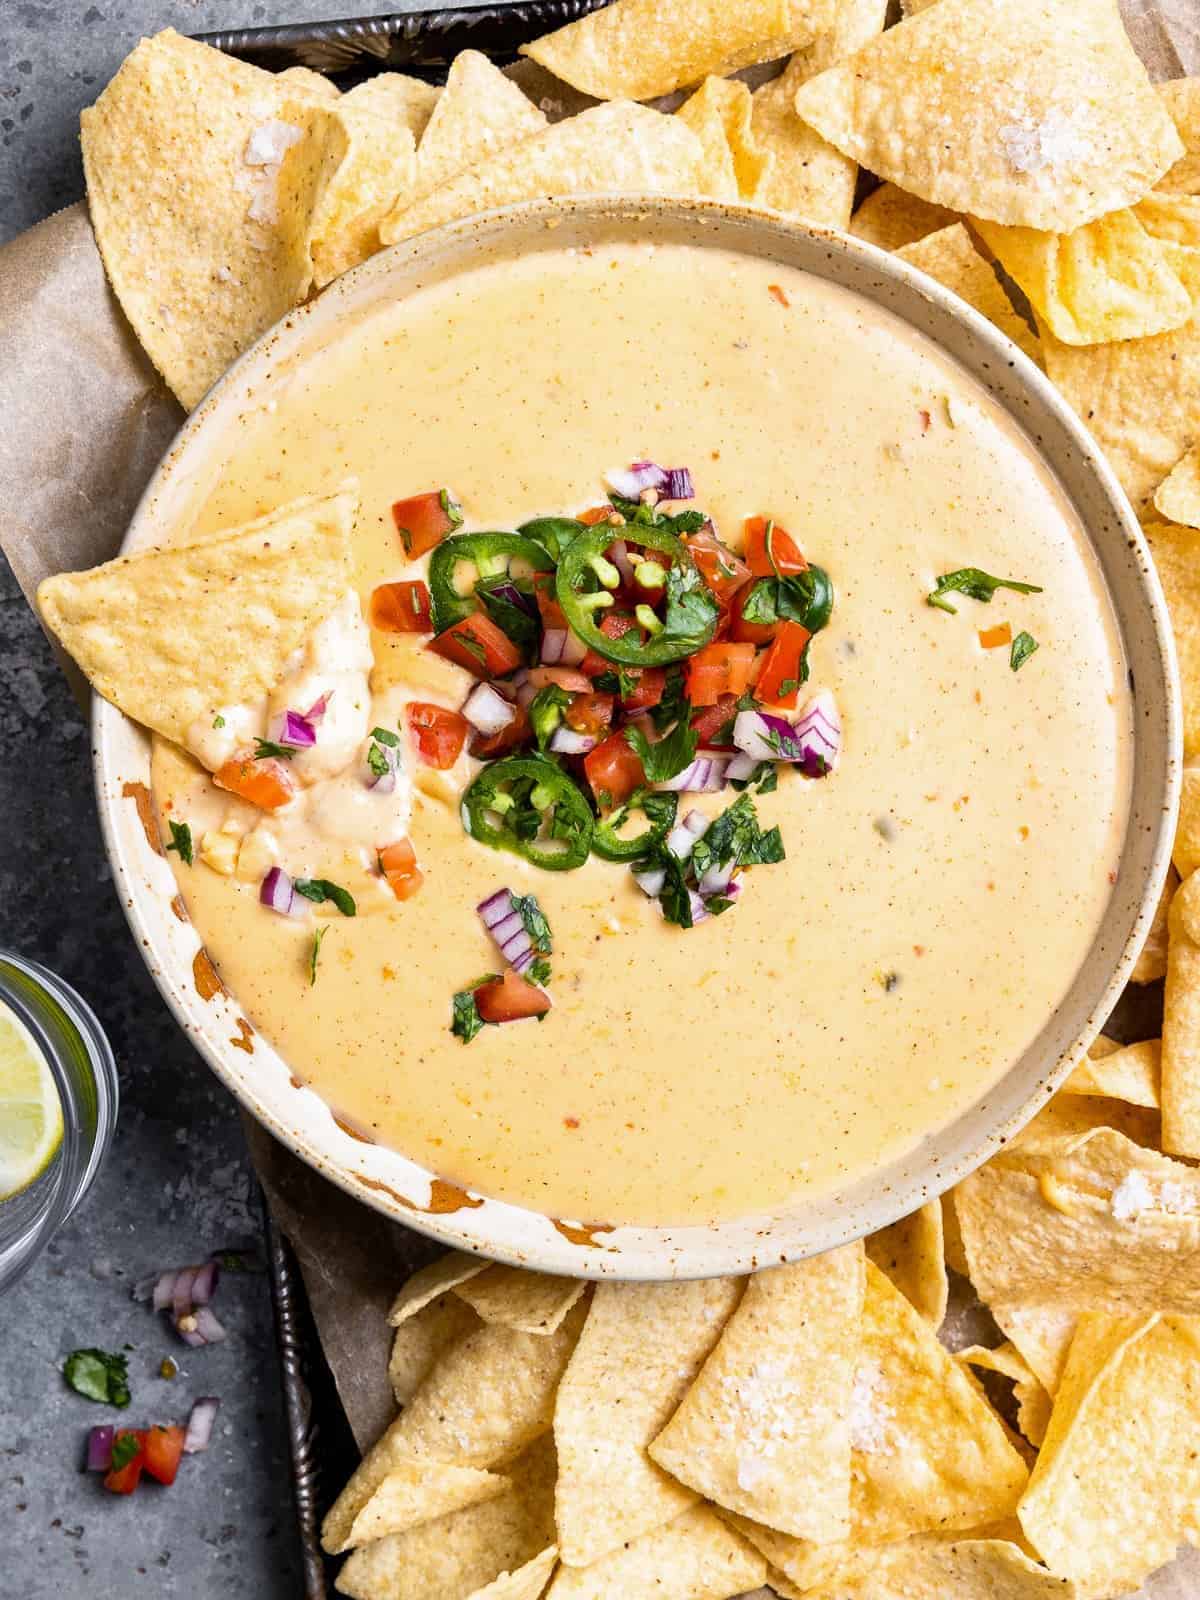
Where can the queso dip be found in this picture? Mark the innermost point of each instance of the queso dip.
(943, 876)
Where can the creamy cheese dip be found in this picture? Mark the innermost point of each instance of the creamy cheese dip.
(941, 888)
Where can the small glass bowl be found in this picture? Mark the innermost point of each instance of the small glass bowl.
(70, 1038)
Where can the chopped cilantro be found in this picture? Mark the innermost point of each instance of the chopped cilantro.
(531, 914)
(545, 712)
(314, 955)
(764, 778)
(667, 758)
(320, 889)
(470, 643)
(737, 839)
(386, 736)
(621, 681)
(377, 761)
(539, 971)
(125, 1447)
(673, 706)
(97, 1375)
(266, 748)
(648, 517)
(466, 1019)
(976, 585)
(1023, 647)
(691, 611)
(181, 837)
(218, 721)
(451, 507)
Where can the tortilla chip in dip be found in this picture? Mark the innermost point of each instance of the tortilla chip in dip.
(397, 96)
(637, 49)
(1115, 1487)
(203, 174)
(480, 111)
(1108, 280)
(912, 1252)
(765, 1429)
(1035, 113)
(1130, 1072)
(640, 1349)
(719, 115)
(806, 176)
(695, 1557)
(891, 217)
(1177, 497)
(171, 634)
(1181, 96)
(609, 148)
(528, 1302)
(951, 258)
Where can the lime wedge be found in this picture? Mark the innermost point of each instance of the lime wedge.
(30, 1113)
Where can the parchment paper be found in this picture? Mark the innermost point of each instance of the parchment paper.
(85, 420)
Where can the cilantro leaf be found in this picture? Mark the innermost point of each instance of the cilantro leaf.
(669, 756)
(539, 971)
(736, 839)
(377, 761)
(265, 749)
(644, 516)
(976, 585)
(534, 919)
(1023, 647)
(125, 1447)
(97, 1375)
(691, 611)
(673, 704)
(218, 721)
(621, 681)
(520, 625)
(314, 955)
(764, 778)
(181, 837)
(545, 712)
(320, 889)
(466, 1021)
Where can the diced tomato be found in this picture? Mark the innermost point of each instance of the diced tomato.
(748, 632)
(425, 519)
(591, 714)
(553, 615)
(779, 681)
(479, 645)
(398, 863)
(716, 670)
(267, 783)
(613, 625)
(438, 734)
(162, 1450)
(510, 998)
(614, 770)
(594, 515)
(783, 547)
(512, 737)
(708, 723)
(124, 1480)
(649, 686)
(401, 607)
(569, 678)
(992, 638)
(722, 571)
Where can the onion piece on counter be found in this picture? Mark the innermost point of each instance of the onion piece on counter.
(706, 775)
(277, 894)
(200, 1425)
(487, 710)
(293, 731)
(185, 1292)
(507, 927)
(100, 1448)
(565, 741)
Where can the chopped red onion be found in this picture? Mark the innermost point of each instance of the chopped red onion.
(526, 692)
(819, 735)
(716, 880)
(679, 484)
(206, 1330)
(681, 841)
(100, 1448)
(553, 641)
(741, 768)
(507, 927)
(651, 882)
(292, 731)
(696, 823)
(277, 894)
(200, 1425)
(705, 775)
(384, 782)
(185, 1293)
(318, 708)
(672, 483)
(516, 597)
(618, 554)
(487, 710)
(566, 742)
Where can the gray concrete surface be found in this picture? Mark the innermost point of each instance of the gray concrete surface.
(178, 1183)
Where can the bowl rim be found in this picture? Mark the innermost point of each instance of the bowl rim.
(393, 1184)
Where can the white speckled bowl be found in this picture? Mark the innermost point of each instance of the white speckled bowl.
(387, 1180)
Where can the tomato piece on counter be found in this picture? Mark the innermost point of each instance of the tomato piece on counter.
(510, 998)
(614, 770)
(783, 667)
(129, 1457)
(266, 783)
(425, 519)
(486, 747)
(649, 686)
(591, 714)
(718, 669)
(479, 645)
(722, 571)
(398, 863)
(784, 548)
(403, 607)
(162, 1451)
(438, 734)
(708, 723)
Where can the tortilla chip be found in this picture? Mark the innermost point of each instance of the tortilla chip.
(929, 1452)
(1185, 852)
(1042, 1335)
(1182, 99)
(613, 148)
(938, 1569)
(456, 1555)
(526, 1583)
(1035, 113)
(1177, 498)
(414, 1492)
(638, 49)
(1129, 1072)
(1151, 963)
(951, 258)
(1108, 280)
(1181, 1026)
(309, 82)
(913, 1254)
(1033, 1401)
(805, 176)
(1068, 1117)
(695, 1557)
(765, 1428)
(528, 1302)
(640, 1349)
(378, 167)
(427, 1285)
(479, 113)
(956, 1256)
(172, 634)
(422, 1338)
(489, 1397)
(1171, 218)
(1176, 553)
(406, 100)
(202, 175)
(891, 218)
(1117, 1482)
(719, 115)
